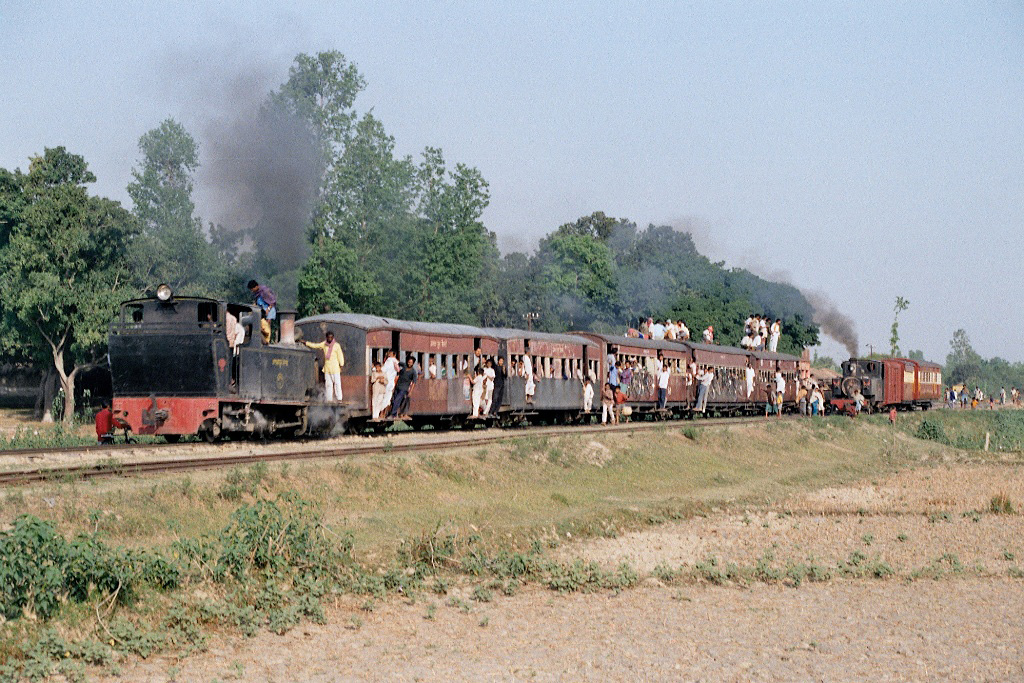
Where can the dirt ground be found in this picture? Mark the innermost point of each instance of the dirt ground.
(951, 610)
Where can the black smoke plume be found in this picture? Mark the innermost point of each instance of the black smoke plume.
(261, 173)
(834, 323)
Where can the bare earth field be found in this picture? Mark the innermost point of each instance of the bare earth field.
(951, 608)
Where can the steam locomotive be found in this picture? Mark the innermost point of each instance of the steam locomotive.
(901, 383)
(173, 373)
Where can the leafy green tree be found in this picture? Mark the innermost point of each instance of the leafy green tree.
(459, 255)
(894, 339)
(963, 364)
(171, 246)
(63, 268)
(580, 285)
(333, 281)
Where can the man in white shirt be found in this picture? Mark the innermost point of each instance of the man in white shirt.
(749, 376)
(489, 376)
(657, 331)
(709, 335)
(748, 325)
(776, 331)
(391, 369)
(588, 395)
(663, 377)
(684, 332)
(746, 342)
(704, 389)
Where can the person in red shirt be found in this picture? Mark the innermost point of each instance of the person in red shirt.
(104, 424)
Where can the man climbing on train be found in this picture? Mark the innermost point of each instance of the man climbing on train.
(267, 301)
(334, 361)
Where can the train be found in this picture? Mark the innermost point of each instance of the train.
(173, 373)
(887, 383)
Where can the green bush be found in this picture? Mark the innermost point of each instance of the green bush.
(40, 570)
(932, 430)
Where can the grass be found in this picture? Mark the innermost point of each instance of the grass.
(523, 489)
(490, 515)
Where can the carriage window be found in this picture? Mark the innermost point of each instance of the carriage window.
(207, 312)
(133, 313)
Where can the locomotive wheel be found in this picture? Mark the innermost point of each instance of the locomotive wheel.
(210, 431)
(172, 438)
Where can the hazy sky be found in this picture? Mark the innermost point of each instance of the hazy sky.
(865, 150)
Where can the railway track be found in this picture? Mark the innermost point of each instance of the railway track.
(215, 461)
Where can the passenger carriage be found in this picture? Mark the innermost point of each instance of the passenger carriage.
(766, 364)
(441, 401)
(642, 389)
(560, 361)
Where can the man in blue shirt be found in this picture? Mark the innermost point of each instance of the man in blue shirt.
(267, 301)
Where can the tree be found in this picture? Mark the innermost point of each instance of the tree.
(63, 269)
(963, 364)
(894, 340)
(171, 246)
(580, 286)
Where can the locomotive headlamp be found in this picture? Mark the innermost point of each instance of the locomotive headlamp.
(163, 292)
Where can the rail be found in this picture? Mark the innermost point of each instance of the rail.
(216, 461)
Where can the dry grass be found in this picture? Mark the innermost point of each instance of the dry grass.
(525, 488)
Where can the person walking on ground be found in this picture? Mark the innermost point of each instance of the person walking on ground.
(334, 360)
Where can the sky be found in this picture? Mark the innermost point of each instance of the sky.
(860, 150)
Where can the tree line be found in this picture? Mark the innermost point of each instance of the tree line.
(389, 235)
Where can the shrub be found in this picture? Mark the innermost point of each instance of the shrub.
(40, 570)
(1001, 505)
(932, 430)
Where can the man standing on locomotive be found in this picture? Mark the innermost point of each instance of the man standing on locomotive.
(334, 360)
(267, 301)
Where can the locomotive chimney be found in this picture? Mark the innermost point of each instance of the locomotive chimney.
(287, 321)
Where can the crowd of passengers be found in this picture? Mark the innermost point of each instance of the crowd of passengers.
(759, 332)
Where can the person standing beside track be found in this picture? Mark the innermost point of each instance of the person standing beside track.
(334, 360)
(104, 424)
